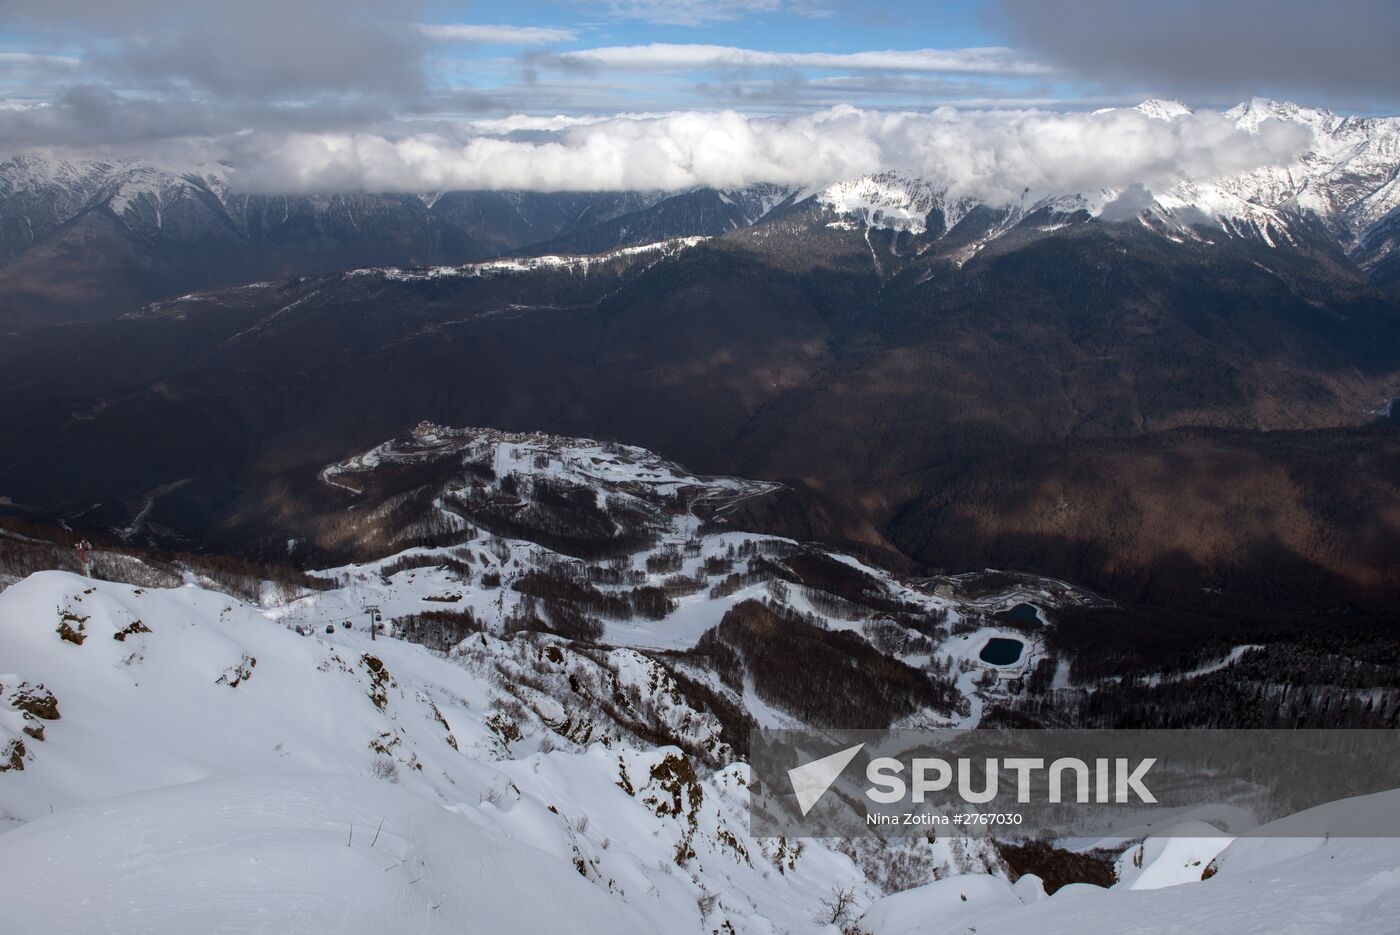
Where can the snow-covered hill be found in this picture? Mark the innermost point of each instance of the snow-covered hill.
(249, 759)
(179, 760)
(612, 542)
(1255, 886)
(278, 853)
(535, 739)
(250, 735)
(580, 264)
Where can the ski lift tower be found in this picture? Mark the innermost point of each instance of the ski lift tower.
(374, 617)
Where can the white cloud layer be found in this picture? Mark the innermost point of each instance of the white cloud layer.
(993, 155)
(664, 56)
(697, 12)
(496, 34)
(31, 58)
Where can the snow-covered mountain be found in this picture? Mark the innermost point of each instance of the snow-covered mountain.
(174, 757)
(892, 200)
(85, 239)
(39, 193)
(95, 239)
(166, 229)
(1349, 180)
(533, 741)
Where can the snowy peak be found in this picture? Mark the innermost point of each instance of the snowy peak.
(1349, 179)
(756, 201)
(1255, 111)
(29, 171)
(120, 185)
(38, 193)
(1163, 110)
(894, 200)
(138, 185)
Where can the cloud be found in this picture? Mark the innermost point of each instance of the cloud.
(794, 92)
(1130, 202)
(692, 12)
(706, 12)
(994, 155)
(308, 95)
(498, 35)
(249, 49)
(1234, 49)
(662, 56)
(88, 119)
(33, 60)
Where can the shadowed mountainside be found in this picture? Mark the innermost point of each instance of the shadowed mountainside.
(860, 374)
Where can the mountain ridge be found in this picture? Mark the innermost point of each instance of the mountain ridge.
(177, 228)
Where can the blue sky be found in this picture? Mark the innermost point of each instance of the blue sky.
(444, 58)
(537, 57)
(440, 58)
(528, 74)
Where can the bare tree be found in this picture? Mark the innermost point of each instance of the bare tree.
(837, 908)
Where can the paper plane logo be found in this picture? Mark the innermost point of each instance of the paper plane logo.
(811, 780)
